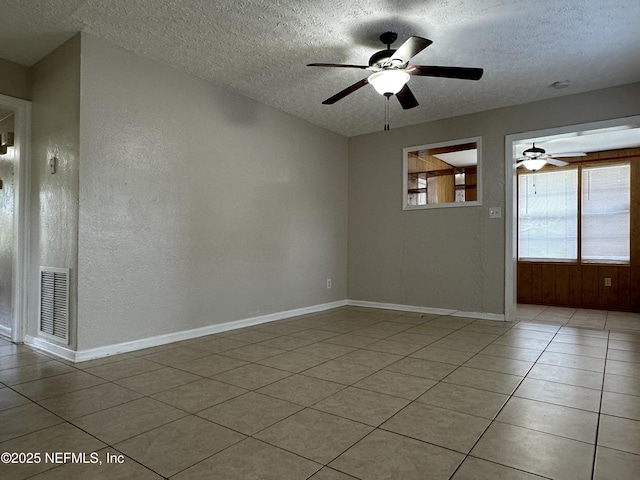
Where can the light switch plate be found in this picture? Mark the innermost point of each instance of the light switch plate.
(495, 212)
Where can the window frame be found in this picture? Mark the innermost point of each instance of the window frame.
(596, 164)
(574, 169)
(579, 261)
(451, 143)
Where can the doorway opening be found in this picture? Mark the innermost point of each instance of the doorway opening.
(15, 119)
(577, 147)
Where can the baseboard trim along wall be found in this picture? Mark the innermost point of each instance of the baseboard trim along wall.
(5, 331)
(100, 352)
(51, 348)
(437, 311)
(395, 306)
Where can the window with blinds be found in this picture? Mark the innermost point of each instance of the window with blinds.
(606, 204)
(575, 214)
(548, 215)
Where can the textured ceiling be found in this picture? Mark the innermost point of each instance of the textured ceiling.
(260, 48)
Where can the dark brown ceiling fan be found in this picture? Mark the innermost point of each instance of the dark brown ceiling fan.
(391, 71)
(535, 158)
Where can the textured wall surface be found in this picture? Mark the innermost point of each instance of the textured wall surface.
(54, 197)
(450, 257)
(198, 206)
(15, 80)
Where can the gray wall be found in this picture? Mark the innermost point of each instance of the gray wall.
(449, 258)
(198, 206)
(54, 197)
(15, 80)
(178, 204)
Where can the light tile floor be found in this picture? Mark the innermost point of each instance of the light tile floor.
(348, 393)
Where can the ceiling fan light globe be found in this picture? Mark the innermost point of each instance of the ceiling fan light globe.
(534, 164)
(389, 81)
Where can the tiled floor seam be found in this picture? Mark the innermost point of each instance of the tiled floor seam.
(537, 475)
(188, 467)
(604, 373)
(511, 395)
(493, 419)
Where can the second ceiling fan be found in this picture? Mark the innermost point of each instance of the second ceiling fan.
(391, 71)
(535, 158)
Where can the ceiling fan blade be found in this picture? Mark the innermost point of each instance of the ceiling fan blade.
(337, 65)
(406, 98)
(410, 48)
(345, 92)
(570, 154)
(550, 160)
(556, 162)
(463, 73)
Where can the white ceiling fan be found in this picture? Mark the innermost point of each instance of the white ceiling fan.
(535, 158)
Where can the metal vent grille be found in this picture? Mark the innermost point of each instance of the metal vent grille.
(54, 303)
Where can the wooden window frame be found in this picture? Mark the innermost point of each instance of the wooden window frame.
(580, 164)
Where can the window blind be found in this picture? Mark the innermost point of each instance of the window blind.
(606, 207)
(548, 215)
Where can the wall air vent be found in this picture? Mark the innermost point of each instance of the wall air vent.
(54, 303)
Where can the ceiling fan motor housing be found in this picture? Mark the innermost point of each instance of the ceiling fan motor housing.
(381, 57)
(384, 55)
(534, 152)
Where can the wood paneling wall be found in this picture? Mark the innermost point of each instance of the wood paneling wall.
(580, 286)
(471, 192)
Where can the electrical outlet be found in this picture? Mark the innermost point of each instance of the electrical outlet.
(329, 283)
(495, 212)
(607, 282)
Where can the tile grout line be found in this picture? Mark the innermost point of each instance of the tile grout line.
(595, 446)
(511, 395)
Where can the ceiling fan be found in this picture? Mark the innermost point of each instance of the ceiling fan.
(535, 158)
(391, 71)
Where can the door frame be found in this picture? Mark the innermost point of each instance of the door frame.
(22, 176)
(511, 199)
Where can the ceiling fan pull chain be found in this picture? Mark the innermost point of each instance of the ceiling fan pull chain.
(386, 113)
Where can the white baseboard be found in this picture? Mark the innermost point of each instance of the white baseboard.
(496, 317)
(5, 331)
(404, 308)
(437, 311)
(125, 347)
(50, 348)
